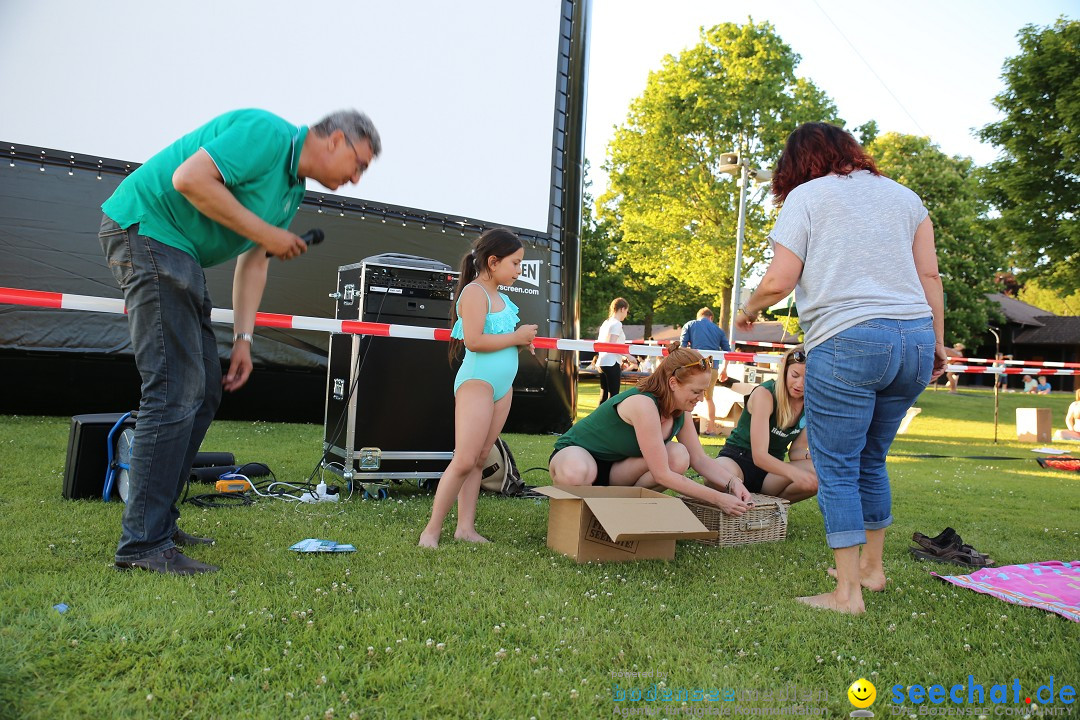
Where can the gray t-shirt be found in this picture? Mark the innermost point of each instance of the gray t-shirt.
(853, 234)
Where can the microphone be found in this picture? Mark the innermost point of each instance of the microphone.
(314, 236)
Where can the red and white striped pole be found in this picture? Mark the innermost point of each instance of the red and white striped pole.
(1025, 363)
(758, 343)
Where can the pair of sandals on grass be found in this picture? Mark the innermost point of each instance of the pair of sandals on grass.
(948, 547)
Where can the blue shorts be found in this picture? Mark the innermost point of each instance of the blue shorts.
(498, 369)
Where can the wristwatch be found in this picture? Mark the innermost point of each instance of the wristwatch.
(243, 336)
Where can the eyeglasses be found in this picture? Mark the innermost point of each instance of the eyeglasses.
(798, 356)
(703, 363)
(361, 165)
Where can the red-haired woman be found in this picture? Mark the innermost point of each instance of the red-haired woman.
(629, 440)
(859, 250)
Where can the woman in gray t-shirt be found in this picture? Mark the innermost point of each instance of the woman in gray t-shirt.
(858, 249)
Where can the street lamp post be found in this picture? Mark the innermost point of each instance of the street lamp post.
(740, 235)
(997, 378)
(732, 163)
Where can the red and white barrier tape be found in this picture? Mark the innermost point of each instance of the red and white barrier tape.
(1025, 363)
(67, 301)
(1010, 371)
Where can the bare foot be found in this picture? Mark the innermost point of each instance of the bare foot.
(829, 601)
(470, 536)
(874, 581)
(428, 540)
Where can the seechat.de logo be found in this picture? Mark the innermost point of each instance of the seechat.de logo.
(974, 693)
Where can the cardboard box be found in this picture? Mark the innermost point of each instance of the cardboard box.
(728, 403)
(1033, 425)
(617, 524)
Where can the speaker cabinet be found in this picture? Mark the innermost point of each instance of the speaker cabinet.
(88, 454)
(394, 394)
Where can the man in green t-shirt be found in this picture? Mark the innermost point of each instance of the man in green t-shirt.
(227, 189)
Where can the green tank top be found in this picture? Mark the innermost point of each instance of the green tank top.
(606, 435)
(779, 439)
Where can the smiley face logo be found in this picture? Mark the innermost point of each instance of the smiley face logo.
(862, 693)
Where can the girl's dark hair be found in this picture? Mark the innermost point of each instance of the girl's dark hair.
(494, 243)
(680, 362)
(815, 150)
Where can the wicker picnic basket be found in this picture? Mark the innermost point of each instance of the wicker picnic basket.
(765, 522)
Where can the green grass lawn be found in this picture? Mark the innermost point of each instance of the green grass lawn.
(512, 630)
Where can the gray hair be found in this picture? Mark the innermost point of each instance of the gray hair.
(356, 126)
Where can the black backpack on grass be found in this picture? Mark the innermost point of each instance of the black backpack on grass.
(501, 474)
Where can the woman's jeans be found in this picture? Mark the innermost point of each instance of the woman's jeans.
(168, 309)
(859, 385)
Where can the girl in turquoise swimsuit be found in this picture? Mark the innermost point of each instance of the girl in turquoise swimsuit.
(486, 322)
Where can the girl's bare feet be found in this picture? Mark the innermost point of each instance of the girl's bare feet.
(428, 540)
(871, 580)
(470, 536)
(830, 601)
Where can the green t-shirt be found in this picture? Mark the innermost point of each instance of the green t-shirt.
(258, 155)
(779, 438)
(606, 435)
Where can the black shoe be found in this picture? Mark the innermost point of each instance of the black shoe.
(169, 562)
(184, 539)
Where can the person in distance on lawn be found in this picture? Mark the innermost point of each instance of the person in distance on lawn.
(629, 440)
(1072, 422)
(771, 427)
(702, 333)
(859, 250)
(609, 363)
(954, 378)
(486, 322)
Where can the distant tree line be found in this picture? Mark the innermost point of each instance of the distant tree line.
(663, 234)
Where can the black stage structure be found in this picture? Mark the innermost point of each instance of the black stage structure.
(62, 362)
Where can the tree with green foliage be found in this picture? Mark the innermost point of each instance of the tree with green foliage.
(600, 281)
(675, 211)
(867, 132)
(603, 279)
(949, 188)
(1034, 293)
(1035, 183)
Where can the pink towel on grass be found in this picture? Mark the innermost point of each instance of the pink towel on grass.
(1051, 585)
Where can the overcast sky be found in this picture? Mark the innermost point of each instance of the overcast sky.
(462, 92)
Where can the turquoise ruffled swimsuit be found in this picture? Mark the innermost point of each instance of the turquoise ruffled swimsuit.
(498, 369)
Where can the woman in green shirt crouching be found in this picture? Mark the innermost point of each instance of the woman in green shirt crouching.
(771, 424)
(630, 439)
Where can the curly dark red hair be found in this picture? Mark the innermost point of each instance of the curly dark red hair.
(814, 150)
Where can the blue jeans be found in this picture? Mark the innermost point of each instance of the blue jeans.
(168, 310)
(859, 385)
